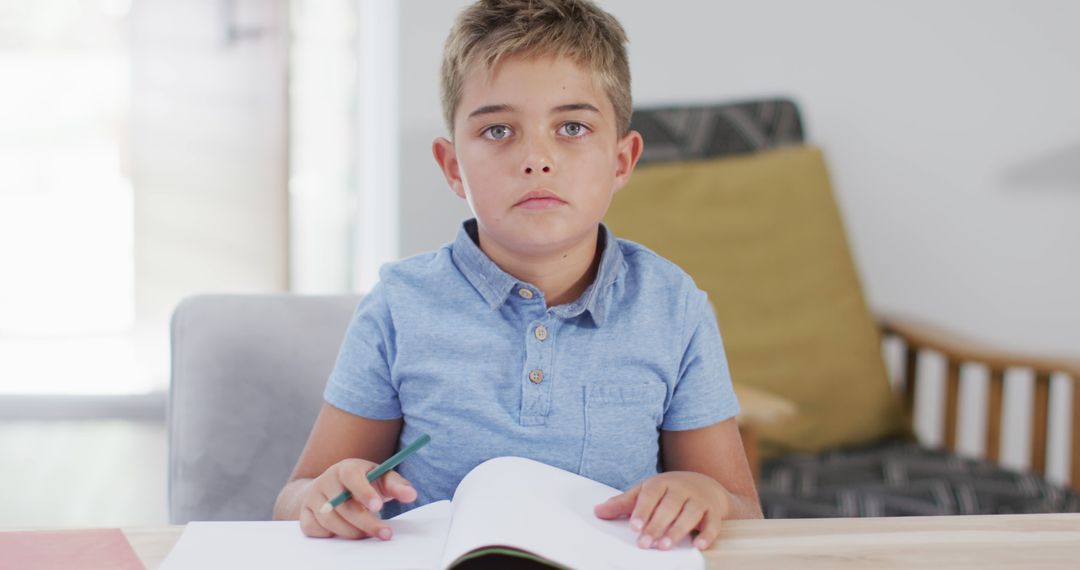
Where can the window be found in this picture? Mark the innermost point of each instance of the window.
(66, 215)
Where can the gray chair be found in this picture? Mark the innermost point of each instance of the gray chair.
(247, 378)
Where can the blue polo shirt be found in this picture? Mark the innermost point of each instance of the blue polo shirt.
(465, 352)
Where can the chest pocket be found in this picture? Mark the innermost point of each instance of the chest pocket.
(622, 433)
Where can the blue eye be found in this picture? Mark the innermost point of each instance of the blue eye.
(573, 130)
(496, 132)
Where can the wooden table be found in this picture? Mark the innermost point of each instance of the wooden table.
(983, 542)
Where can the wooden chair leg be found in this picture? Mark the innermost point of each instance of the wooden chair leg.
(952, 403)
(993, 420)
(1040, 423)
(1074, 478)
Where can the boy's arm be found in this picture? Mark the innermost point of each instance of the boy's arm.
(336, 436)
(716, 451)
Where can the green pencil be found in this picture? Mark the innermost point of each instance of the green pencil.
(378, 471)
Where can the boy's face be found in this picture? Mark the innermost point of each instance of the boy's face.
(536, 154)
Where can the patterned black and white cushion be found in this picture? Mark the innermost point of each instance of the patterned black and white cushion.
(707, 131)
(900, 478)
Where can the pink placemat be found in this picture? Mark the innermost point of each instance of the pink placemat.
(92, 549)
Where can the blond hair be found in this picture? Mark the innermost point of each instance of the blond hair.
(491, 30)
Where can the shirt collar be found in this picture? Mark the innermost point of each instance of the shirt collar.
(495, 285)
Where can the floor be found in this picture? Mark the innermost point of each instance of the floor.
(78, 473)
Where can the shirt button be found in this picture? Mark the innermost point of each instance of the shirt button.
(525, 293)
(541, 333)
(536, 376)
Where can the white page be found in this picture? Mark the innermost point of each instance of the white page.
(525, 504)
(418, 541)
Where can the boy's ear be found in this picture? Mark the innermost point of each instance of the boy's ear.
(446, 158)
(629, 150)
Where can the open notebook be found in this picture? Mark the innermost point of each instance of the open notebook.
(505, 507)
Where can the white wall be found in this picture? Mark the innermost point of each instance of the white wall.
(952, 131)
(430, 212)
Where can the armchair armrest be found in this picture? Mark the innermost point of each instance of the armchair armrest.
(955, 347)
(957, 350)
(762, 407)
(758, 407)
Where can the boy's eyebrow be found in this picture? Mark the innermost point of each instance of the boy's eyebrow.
(576, 107)
(489, 109)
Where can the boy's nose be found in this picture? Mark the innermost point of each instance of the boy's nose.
(538, 158)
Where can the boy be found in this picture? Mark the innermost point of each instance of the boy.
(535, 333)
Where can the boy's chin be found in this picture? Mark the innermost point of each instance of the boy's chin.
(543, 241)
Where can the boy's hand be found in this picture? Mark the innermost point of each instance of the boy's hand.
(666, 507)
(357, 517)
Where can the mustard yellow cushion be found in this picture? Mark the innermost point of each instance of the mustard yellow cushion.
(762, 236)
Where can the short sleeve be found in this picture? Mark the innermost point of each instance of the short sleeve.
(703, 394)
(360, 382)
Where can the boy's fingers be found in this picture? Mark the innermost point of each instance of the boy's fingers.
(349, 520)
(688, 520)
(394, 486)
(618, 506)
(310, 525)
(710, 529)
(650, 495)
(665, 513)
(363, 520)
(353, 476)
(336, 523)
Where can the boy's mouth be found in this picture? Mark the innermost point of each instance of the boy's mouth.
(540, 200)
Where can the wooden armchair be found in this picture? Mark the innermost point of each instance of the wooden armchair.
(826, 432)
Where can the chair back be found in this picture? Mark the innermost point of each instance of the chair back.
(730, 195)
(247, 379)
